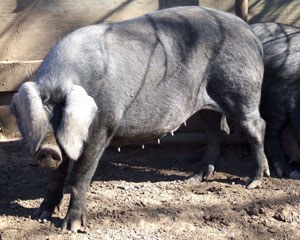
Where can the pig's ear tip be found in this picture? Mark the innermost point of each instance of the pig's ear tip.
(72, 147)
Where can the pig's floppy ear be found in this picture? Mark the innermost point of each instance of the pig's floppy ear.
(78, 114)
(31, 117)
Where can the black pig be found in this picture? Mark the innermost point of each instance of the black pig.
(280, 104)
(137, 80)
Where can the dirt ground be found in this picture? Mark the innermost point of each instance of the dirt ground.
(144, 194)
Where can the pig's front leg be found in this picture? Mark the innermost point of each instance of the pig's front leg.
(81, 176)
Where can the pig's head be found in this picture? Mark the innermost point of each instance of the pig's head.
(47, 142)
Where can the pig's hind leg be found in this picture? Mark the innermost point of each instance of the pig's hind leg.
(254, 130)
(274, 149)
(295, 122)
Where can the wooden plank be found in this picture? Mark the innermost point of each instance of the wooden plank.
(29, 28)
(8, 125)
(283, 11)
(28, 31)
(14, 73)
(226, 5)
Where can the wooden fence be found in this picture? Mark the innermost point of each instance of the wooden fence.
(28, 29)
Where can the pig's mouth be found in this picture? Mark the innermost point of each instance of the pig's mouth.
(49, 157)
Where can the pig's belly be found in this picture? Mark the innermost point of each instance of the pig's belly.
(141, 130)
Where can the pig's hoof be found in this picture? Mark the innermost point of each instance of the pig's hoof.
(253, 183)
(42, 214)
(74, 221)
(295, 174)
(210, 171)
(197, 177)
(204, 173)
(267, 172)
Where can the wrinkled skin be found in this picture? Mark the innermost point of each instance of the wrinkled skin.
(138, 80)
(279, 105)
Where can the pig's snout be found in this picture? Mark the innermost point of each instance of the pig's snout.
(49, 155)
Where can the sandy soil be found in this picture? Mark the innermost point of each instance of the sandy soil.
(144, 194)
